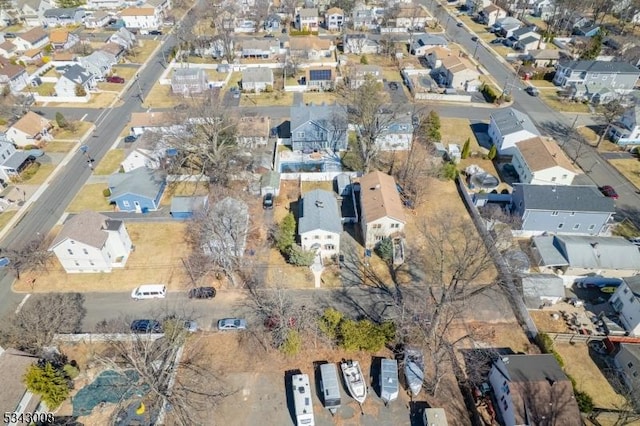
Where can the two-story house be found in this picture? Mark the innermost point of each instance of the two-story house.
(627, 361)
(626, 302)
(458, 73)
(541, 161)
(75, 76)
(545, 9)
(104, 4)
(412, 17)
(530, 389)
(98, 19)
(141, 17)
(490, 14)
(526, 38)
(424, 42)
(92, 242)
(334, 19)
(35, 38)
(257, 79)
(626, 131)
(311, 48)
(261, 48)
(61, 17)
(318, 127)
(382, 212)
(30, 129)
(124, 38)
(509, 126)
(359, 44)
(363, 18)
(31, 12)
(307, 19)
(98, 63)
(188, 81)
(320, 223)
(506, 26)
(561, 209)
(596, 80)
(12, 75)
(475, 6)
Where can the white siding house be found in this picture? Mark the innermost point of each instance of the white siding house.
(92, 242)
(542, 162)
(626, 301)
(320, 224)
(509, 126)
(141, 17)
(382, 211)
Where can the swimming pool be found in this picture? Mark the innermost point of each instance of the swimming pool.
(308, 167)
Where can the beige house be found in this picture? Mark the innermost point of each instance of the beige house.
(31, 129)
(490, 14)
(312, 48)
(14, 397)
(458, 73)
(32, 39)
(541, 161)
(252, 132)
(381, 208)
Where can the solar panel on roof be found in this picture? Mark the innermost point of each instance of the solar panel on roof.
(316, 75)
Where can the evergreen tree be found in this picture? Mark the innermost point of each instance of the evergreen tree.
(466, 149)
(433, 127)
(364, 60)
(492, 152)
(61, 121)
(47, 382)
(285, 236)
(385, 249)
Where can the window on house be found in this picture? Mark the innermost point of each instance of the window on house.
(576, 226)
(625, 291)
(376, 226)
(594, 75)
(554, 213)
(70, 251)
(301, 135)
(85, 251)
(329, 237)
(553, 179)
(560, 225)
(91, 263)
(316, 237)
(395, 225)
(125, 203)
(629, 364)
(77, 263)
(564, 176)
(592, 227)
(604, 78)
(71, 242)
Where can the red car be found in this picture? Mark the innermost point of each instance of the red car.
(115, 79)
(608, 191)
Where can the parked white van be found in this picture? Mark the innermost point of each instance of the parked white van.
(149, 291)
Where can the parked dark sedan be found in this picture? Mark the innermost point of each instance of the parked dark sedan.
(155, 32)
(146, 326)
(130, 139)
(202, 293)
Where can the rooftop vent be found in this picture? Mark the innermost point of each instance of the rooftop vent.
(319, 204)
(373, 188)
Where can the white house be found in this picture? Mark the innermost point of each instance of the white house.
(509, 126)
(92, 242)
(75, 76)
(359, 44)
(98, 19)
(98, 63)
(12, 162)
(382, 213)
(320, 223)
(541, 161)
(358, 74)
(15, 76)
(540, 290)
(424, 42)
(475, 6)
(105, 4)
(626, 302)
(141, 17)
(148, 153)
(307, 19)
(35, 38)
(627, 362)
(411, 17)
(257, 79)
(626, 131)
(29, 130)
(163, 122)
(490, 14)
(531, 387)
(124, 38)
(334, 19)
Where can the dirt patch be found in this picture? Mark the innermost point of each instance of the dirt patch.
(546, 322)
(159, 247)
(588, 376)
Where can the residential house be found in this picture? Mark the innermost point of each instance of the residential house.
(475, 6)
(311, 48)
(14, 395)
(358, 75)
(98, 19)
(32, 56)
(12, 162)
(13, 75)
(561, 209)
(320, 223)
(395, 133)
(382, 213)
(544, 57)
(411, 17)
(424, 42)
(138, 191)
(98, 63)
(141, 17)
(189, 81)
(8, 18)
(526, 38)
(541, 290)
(320, 78)
(161, 122)
(458, 73)
(149, 152)
(596, 80)
(104, 4)
(7, 49)
(359, 44)
(307, 19)
(272, 23)
(626, 131)
(163, 6)
(318, 127)
(61, 17)
(363, 18)
(262, 48)
(583, 255)
(334, 19)
(35, 38)
(588, 30)
(506, 26)
(627, 362)
(30, 129)
(545, 9)
(528, 389)
(435, 55)
(540, 161)
(252, 132)
(113, 49)
(228, 234)
(31, 12)
(64, 58)
(63, 39)
(490, 14)
(92, 242)
(626, 302)
(257, 79)
(124, 38)
(509, 126)
(245, 26)
(75, 76)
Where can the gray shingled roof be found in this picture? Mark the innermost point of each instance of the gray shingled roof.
(588, 252)
(319, 211)
(510, 120)
(534, 368)
(16, 160)
(578, 198)
(325, 116)
(140, 181)
(429, 40)
(308, 13)
(536, 287)
(601, 67)
(87, 227)
(549, 254)
(257, 75)
(77, 74)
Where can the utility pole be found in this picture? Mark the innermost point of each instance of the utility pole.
(139, 88)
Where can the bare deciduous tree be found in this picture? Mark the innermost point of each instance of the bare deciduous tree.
(33, 255)
(35, 324)
(610, 113)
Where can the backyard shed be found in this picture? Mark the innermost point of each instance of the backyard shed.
(185, 207)
(270, 183)
(343, 183)
(542, 289)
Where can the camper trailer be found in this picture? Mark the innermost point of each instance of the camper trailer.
(302, 400)
(330, 387)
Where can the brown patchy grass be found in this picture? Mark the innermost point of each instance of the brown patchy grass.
(282, 274)
(125, 72)
(310, 186)
(97, 100)
(456, 130)
(545, 322)
(266, 99)
(188, 189)
(44, 170)
(110, 87)
(81, 127)
(629, 167)
(161, 96)
(59, 146)
(319, 98)
(143, 52)
(45, 89)
(588, 376)
(90, 197)
(543, 84)
(156, 259)
(588, 133)
(110, 163)
(6, 216)
(552, 99)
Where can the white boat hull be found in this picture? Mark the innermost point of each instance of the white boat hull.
(354, 380)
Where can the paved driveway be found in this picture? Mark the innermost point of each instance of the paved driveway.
(398, 97)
